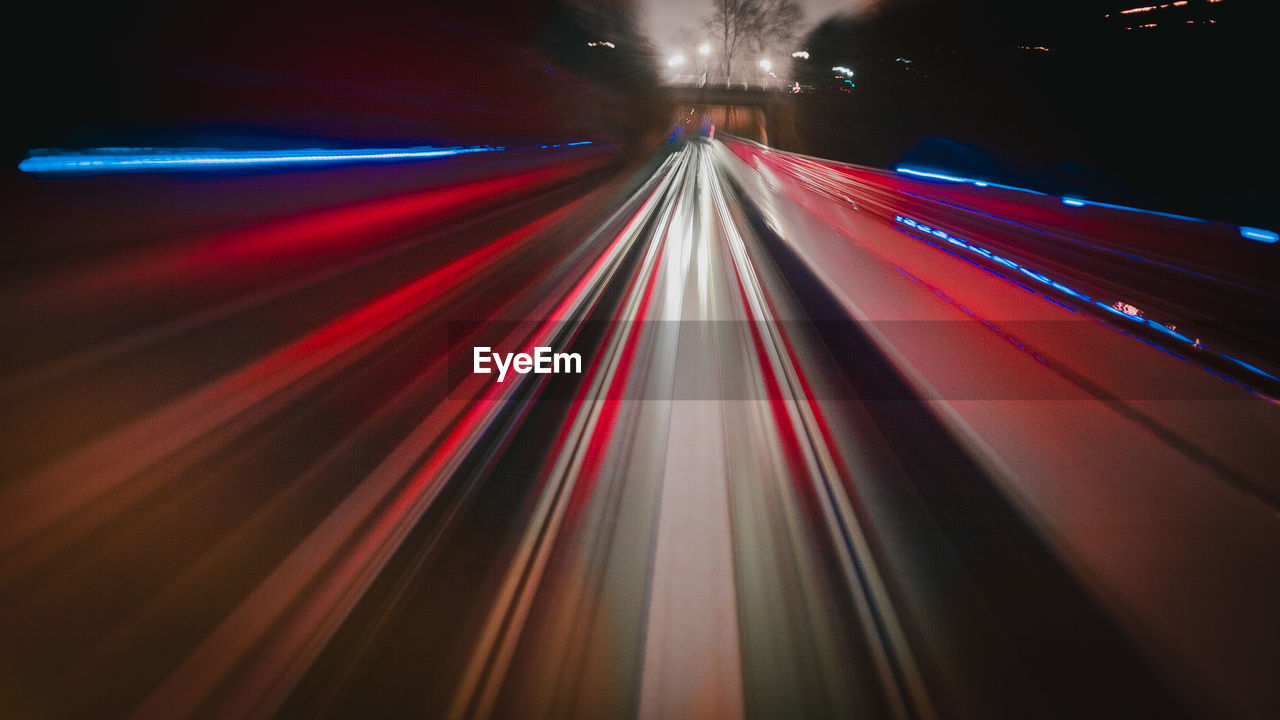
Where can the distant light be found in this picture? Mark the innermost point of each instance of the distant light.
(111, 160)
(765, 65)
(676, 60)
(704, 49)
(1073, 202)
(1259, 234)
(1149, 8)
(601, 43)
(803, 54)
(843, 70)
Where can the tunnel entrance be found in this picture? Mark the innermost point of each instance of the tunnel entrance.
(745, 122)
(765, 116)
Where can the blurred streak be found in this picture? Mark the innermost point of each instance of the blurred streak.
(169, 450)
(151, 160)
(62, 489)
(127, 304)
(1045, 280)
(690, 487)
(1209, 292)
(831, 219)
(768, 494)
(1072, 201)
(1266, 236)
(321, 234)
(305, 633)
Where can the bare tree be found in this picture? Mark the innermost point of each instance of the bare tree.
(751, 26)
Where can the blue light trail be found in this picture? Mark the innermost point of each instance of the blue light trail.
(107, 160)
(920, 172)
(1077, 202)
(1259, 234)
(933, 175)
(1251, 233)
(1047, 281)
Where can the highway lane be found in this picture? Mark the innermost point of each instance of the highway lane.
(848, 519)
(1149, 470)
(690, 552)
(815, 465)
(1210, 281)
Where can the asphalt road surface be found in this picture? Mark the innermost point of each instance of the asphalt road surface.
(845, 443)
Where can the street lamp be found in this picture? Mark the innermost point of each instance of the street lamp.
(765, 65)
(705, 51)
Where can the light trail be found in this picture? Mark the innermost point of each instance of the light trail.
(838, 221)
(110, 160)
(813, 466)
(1166, 329)
(1251, 233)
(1184, 328)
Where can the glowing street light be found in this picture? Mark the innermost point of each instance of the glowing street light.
(675, 61)
(802, 54)
(705, 51)
(765, 65)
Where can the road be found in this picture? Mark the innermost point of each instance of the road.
(845, 443)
